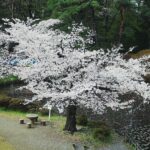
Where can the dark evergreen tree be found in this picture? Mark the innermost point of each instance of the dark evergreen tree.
(22, 8)
(113, 21)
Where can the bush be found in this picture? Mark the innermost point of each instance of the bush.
(102, 133)
(4, 101)
(11, 103)
(32, 107)
(16, 104)
(44, 112)
(96, 124)
(82, 120)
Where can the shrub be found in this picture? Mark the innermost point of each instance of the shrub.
(96, 124)
(82, 120)
(11, 103)
(16, 104)
(32, 107)
(44, 111)
(102, 133)
(4, 101)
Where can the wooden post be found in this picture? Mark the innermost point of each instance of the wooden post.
(29, 125)
(49, 117)
(43, 123)
(21, 121)
(49, 108)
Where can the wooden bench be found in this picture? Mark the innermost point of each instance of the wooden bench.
(21, 121)
(29, 125)
(43, 123)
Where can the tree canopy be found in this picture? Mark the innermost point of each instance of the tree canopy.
(61, 73)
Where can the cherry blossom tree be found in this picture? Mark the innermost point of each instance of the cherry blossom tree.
(59, 69)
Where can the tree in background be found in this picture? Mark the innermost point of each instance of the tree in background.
(143, 36)
(22, 8)
(113, 21)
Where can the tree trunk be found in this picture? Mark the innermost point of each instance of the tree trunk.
(122, 13)
(71, 119)
(12, 9)
(30, 9)
(106, 21)
(94, 25)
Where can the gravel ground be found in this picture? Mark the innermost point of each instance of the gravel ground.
(116, 146)
(37, 138)
(40, 137)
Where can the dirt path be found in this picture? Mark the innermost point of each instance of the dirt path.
(40, 138)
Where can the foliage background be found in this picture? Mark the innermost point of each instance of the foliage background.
(112, 21)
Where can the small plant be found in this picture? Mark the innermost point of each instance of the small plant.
(82, 120)
(100, 130)
(96, 124)
(102, 133)
(4, 100)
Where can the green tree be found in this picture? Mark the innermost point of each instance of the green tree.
(143, 36)
(22, 8)
(113, 21)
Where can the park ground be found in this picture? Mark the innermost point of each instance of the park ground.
(14, 136)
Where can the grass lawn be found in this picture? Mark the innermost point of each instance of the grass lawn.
(11, 114)
(4, 145)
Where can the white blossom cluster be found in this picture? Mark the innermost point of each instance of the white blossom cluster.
(61, 73)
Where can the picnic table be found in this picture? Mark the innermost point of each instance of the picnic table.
(32, 117)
